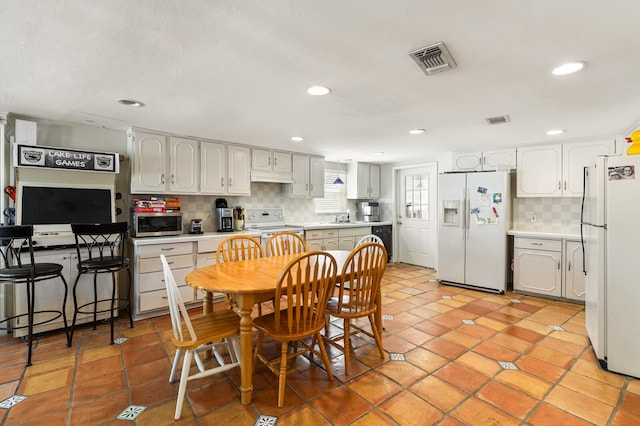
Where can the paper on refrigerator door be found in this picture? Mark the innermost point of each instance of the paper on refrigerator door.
(486, 206)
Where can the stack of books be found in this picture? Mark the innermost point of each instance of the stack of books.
(156, 205)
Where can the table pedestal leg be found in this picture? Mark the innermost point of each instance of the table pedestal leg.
(246, 355)
(207, 305)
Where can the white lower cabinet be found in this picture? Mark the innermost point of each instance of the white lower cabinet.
(50, 293)
(548, 267)
(149, 292)
(335, 238)
(574, 280)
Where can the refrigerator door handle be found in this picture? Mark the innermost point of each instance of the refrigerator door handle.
(585, 173)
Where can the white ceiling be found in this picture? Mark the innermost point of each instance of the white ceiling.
(238, 70)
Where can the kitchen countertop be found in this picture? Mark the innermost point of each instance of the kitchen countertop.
(356, 224)
(545, 235)
(187, 238)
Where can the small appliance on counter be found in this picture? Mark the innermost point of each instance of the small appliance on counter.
(369, 211)
(196, 226)
(224, 219)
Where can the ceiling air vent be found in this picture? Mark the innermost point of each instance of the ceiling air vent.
(433, 59)
(498, 120)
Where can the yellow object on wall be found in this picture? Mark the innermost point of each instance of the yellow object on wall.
(634, 149)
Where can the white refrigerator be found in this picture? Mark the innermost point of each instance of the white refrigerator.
(475, 215)
(610, 228)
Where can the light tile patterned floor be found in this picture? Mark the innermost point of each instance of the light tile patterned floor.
(459, 348)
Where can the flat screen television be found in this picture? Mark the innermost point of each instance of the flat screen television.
(43, 205)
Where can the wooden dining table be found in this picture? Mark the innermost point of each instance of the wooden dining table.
(250, 282)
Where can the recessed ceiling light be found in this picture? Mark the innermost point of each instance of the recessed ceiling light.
(416, 131)
(378, 153)
(568, 68)
(555, 132)
(130, 102)
(318, 90)
(297, 138)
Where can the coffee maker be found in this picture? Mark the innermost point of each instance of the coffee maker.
(223, 216)
(369, 211)
(224, 219)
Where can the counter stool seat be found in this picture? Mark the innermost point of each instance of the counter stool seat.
(16, 242)
(100, 247)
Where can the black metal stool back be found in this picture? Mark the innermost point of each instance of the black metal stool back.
(14, 242)
(100, 249)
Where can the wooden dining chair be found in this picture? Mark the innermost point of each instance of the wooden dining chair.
(371, 238)
(356, 298)
(301, 297)
(202, 333)
(285, 242)
(238, 247)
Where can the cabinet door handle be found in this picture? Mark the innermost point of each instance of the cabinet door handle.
(269, 161)
(167, 248)
(558, 266)
(537, 244)
(221, 181)
(162, 178)
(173, 179)
(230, 182)
(275, 161)
(569, 266)
(565, 185)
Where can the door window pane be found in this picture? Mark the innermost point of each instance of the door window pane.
(417, 196)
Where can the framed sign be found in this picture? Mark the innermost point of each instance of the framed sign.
(68, 159)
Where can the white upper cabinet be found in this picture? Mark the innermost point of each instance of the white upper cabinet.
(270, 161)
(575, 157)
(184, 165)
(149, 164)
(308, 177)
(213, 168)
(363, 181)
(239, 170)
(540, 171)
(500, 159)
(557, 170)
(467, 162)
(163, 165)
(316, 177)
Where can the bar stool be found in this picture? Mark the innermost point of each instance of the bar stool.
(100, 249)
(15, 240)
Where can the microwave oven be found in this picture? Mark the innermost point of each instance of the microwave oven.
(156, 224)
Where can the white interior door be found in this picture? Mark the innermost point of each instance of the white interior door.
(417, 219)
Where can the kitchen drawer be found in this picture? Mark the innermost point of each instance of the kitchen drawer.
(314, 234)
(167, 249)
(350, 232)
(330, 233)
(537, 244)
(210, 245)
(154, 264)
(158, 299)
(155, 280)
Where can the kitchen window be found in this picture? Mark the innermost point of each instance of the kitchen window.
(335, 194)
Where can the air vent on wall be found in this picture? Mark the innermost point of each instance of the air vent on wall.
(498, 120)
(433, 59)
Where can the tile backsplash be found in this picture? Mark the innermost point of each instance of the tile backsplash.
(554, 215)
(296, 210)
